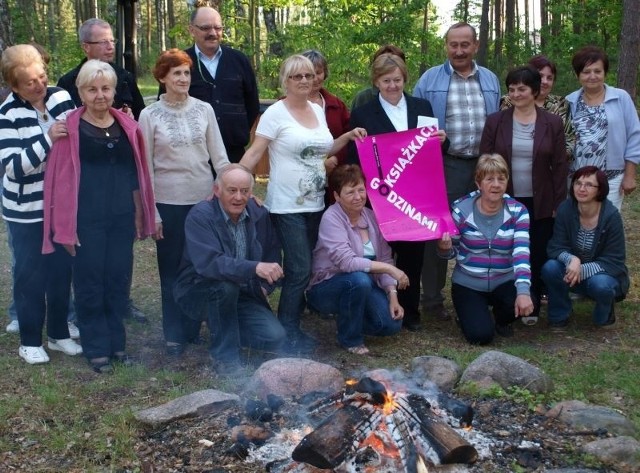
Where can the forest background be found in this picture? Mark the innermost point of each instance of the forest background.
(348, 32)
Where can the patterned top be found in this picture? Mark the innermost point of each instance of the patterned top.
(181, 140)
(557, 105)
(585, 242)
(591, 125)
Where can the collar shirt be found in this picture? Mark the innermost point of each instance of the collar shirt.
(396, 113)
(210, 63)
(238, 232)
(466, 114)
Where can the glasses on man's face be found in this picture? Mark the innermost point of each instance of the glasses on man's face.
(299, 77)
(207, 28)
(585, 185)
(104, 42)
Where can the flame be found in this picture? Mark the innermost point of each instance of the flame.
(351, 382)
(389, 403)
(468, 428)
(420, 466)
(381, 442)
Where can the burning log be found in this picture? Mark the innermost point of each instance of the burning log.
(333, 440)
(447, 443)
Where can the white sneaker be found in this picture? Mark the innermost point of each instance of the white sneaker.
(73, 330)
(13, 327)
(66, 345)
(33, 355)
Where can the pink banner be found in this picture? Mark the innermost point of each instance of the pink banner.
(405, 184)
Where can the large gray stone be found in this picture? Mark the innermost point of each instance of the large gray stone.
(506, 370)
(192, 405)
(623, 453)
(444, 373)
(581, 416)
(290, 377)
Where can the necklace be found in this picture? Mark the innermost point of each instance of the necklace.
(44, 115)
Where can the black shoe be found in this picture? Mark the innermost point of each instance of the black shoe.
(560, 326)
(611, 321)
(438, 312)
(298, 343)
(135, 314)
(505, 331)
(174, 349)
(413, 326)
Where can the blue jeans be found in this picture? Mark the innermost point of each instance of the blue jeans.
(362, 307)
(602, 288)
(472, 309)
(298, 234)
(177, 327)
(236, 318)
(41, 285)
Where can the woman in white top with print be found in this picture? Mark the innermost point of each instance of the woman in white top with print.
(295, 132)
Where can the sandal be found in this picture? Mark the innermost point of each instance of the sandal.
(101, 365)
(358, 350)
(122, 359)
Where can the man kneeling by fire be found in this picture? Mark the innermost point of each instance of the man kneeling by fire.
(231, 263)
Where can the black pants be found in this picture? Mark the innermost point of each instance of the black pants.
(409, 257)
(101, 283)
(177, 327)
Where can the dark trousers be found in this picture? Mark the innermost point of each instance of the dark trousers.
(409, 256)
(236, 318)
(235, 153)
(177, 327)
(472, 309)
(41, 285)
(459, 179)
(540, 232)
(101, 283)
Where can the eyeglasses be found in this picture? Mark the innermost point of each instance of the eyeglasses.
(104, 42)
(207, 28)
(299, 77)
(585, 185)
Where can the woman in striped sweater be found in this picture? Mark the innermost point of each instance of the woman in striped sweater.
(32, 118)
(492, 255)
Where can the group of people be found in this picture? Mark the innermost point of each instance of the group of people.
(82, 184)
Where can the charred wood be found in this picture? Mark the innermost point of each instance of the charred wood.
(447, 443)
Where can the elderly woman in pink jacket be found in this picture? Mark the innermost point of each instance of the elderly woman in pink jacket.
(97, 200)
(353, 274)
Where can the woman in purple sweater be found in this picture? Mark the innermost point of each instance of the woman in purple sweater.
(353, 274)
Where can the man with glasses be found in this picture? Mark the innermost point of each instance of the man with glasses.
(97, 42)
(224, 78)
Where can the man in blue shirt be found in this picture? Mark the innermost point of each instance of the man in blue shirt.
(462, 95)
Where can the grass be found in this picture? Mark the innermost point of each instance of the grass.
(63, 417)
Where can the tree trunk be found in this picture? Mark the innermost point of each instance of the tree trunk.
(149, 28)
(484, 34)
(275, 45)
(172, 22)
(544, 23)
(423, 41)
(510, 31)
(497, 26)
(6, 29)
(629, 57)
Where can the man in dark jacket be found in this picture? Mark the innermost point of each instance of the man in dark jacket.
(224, 78)
(231, 263)
(96, 39)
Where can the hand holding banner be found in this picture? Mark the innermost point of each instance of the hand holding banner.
(405, 183)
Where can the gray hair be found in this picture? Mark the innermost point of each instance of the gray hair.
(19, 56)
(230, 167)
(94, 68)
(86, 29)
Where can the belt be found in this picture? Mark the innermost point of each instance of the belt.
(465, 157)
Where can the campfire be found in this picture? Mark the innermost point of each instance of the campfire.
(370, 427)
